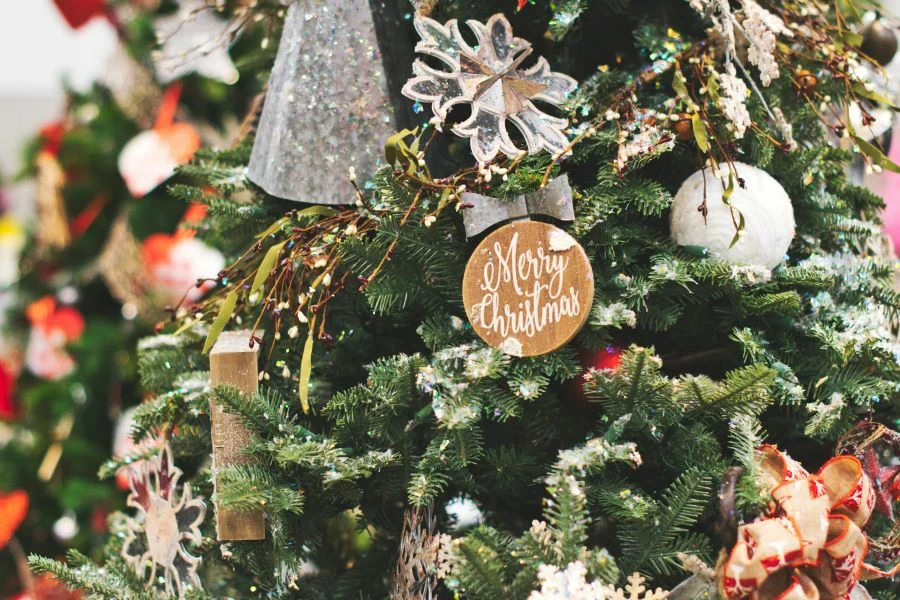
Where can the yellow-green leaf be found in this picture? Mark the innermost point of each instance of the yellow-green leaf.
(218, 326)
(306, 370)
(187, 325)
(699, 128)
(861, 90)
(318, 209)
(678, 84)
(726, 198)
(272, 228)
(726, 195)
(851, 38)
(265, 267)
(394, 146)
(741, 225)
(877, 156)
(445, 197)
(712, 86)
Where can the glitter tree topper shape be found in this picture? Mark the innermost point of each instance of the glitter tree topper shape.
(489, 78)
(154, 538)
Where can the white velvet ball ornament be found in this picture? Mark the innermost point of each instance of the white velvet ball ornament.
(767, 210)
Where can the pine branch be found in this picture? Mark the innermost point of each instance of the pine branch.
(652, 547)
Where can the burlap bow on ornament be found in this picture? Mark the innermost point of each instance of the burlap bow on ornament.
(811, 544)
(553, 200)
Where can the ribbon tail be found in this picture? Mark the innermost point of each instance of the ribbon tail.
(481, 212)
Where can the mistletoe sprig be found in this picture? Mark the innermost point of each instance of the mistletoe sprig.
(810, 40)
(297, 265)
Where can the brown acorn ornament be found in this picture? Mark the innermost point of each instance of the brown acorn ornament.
(683, 129)
(879, 42)
(805, 81)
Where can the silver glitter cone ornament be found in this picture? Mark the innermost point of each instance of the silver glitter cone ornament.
(328, 107)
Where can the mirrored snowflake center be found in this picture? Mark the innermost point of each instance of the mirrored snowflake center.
(162, 531)
(491, 81)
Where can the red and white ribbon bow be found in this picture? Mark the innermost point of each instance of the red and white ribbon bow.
(811, 544)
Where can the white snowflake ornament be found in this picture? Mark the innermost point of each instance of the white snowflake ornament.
(571, 583)
(195, 40)
(154, 539)
(488, 77)
(636, 590)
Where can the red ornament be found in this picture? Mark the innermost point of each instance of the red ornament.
(13, 508)
(51, 137)
(609, 357)
(98, 520)
(79, 12)
(8, 408)
(48, 587)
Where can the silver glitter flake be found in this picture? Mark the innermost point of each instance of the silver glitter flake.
(488, 77)
(327, 109)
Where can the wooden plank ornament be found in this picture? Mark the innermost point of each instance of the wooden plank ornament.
(233, 362)
(528, 288)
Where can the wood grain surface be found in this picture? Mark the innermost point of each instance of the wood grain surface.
(233, 362)
(528, 288)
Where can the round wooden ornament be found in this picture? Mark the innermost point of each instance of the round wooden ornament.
(528, 288)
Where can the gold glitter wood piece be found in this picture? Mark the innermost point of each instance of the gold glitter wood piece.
(233, 362)
(528, 288)
(53, 224)
(122, 268)
(132, 87)
(61, 433)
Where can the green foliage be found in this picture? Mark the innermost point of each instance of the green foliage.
(488, 563)
(652, 545)
(408, 409)
(746, 436)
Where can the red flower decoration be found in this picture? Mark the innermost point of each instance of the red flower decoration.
(51, 136)
(78, 12)
(48, 316)
(196, 211)
(8, 409)
(52, 328)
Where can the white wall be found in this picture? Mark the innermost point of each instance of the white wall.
(38, 49)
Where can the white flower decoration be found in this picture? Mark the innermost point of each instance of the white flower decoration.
(195, 40)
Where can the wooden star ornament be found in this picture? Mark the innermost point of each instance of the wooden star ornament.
(885, 481)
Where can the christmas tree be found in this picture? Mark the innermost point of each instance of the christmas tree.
(582, 302)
